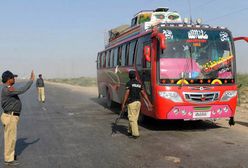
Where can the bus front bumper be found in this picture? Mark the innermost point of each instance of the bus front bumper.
(200, 113)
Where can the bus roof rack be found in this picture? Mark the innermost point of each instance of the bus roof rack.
(143, 11)
(117, 31)
(161, 9)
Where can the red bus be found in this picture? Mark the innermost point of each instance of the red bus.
(188, 70)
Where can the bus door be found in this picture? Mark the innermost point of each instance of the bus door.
(144, 66)
(120, 71)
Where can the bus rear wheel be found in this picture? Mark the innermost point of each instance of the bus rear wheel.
(142, 118)
(109, 102)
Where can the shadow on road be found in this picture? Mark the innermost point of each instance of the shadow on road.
(21, 145)
(178, 125)
(242, 123)
(118, 129)
(102, 101)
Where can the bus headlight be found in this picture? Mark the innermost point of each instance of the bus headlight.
(225, 109)
(184, 112)
(173, 96)
(228, 95)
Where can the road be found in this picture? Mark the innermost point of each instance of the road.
(72, 129)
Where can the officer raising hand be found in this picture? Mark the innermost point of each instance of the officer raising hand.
(12, 106)
(132, 98)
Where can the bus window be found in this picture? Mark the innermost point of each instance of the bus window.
(132, 52)
(101, 55)
(123, 54)
(146, 72)
(139, 55)
(146, 64)
(127, 54)
(111, 58)
(115, 57)
(143, 41)
(119, 56)
(98, 61)
(143, 66)
(145, 17)
(107, 59)
(134, 21)
(104, 60)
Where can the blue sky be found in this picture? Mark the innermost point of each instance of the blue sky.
(60, 38)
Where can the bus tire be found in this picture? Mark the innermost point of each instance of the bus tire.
(142, 118)
(100, 96)
(109, 102)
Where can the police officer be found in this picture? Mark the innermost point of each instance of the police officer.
(40, 88)
(132, 97)
(12, 106)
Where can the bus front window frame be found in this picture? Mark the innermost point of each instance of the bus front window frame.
(201, 80)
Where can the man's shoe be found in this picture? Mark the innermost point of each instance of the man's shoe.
(12, 163)
(15, 157)
(134, 137)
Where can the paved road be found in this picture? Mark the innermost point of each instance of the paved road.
(73, 130)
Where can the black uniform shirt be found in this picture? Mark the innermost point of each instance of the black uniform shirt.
(134, 88)
(40, 82)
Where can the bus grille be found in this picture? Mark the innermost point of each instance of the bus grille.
(201, 97)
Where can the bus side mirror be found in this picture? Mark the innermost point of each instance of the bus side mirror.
(161, 38)
(240, 38)
(162, 41)
(147, 53)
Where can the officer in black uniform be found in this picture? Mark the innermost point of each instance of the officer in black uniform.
(132, 98)
(41, 89)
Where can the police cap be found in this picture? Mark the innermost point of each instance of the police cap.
(132, 74)
(7, 75)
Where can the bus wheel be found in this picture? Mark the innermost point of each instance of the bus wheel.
(100, 96)
(110, 103)
(142, 118)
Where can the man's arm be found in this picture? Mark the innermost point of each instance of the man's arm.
(125, 99)
(11, 91)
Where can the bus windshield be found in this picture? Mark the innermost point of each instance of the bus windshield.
(196, 54)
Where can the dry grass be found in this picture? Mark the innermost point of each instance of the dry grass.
(82, 81)
(242, 80)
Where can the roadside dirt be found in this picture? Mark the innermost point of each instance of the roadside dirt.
(241, 116)
(90, 90)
